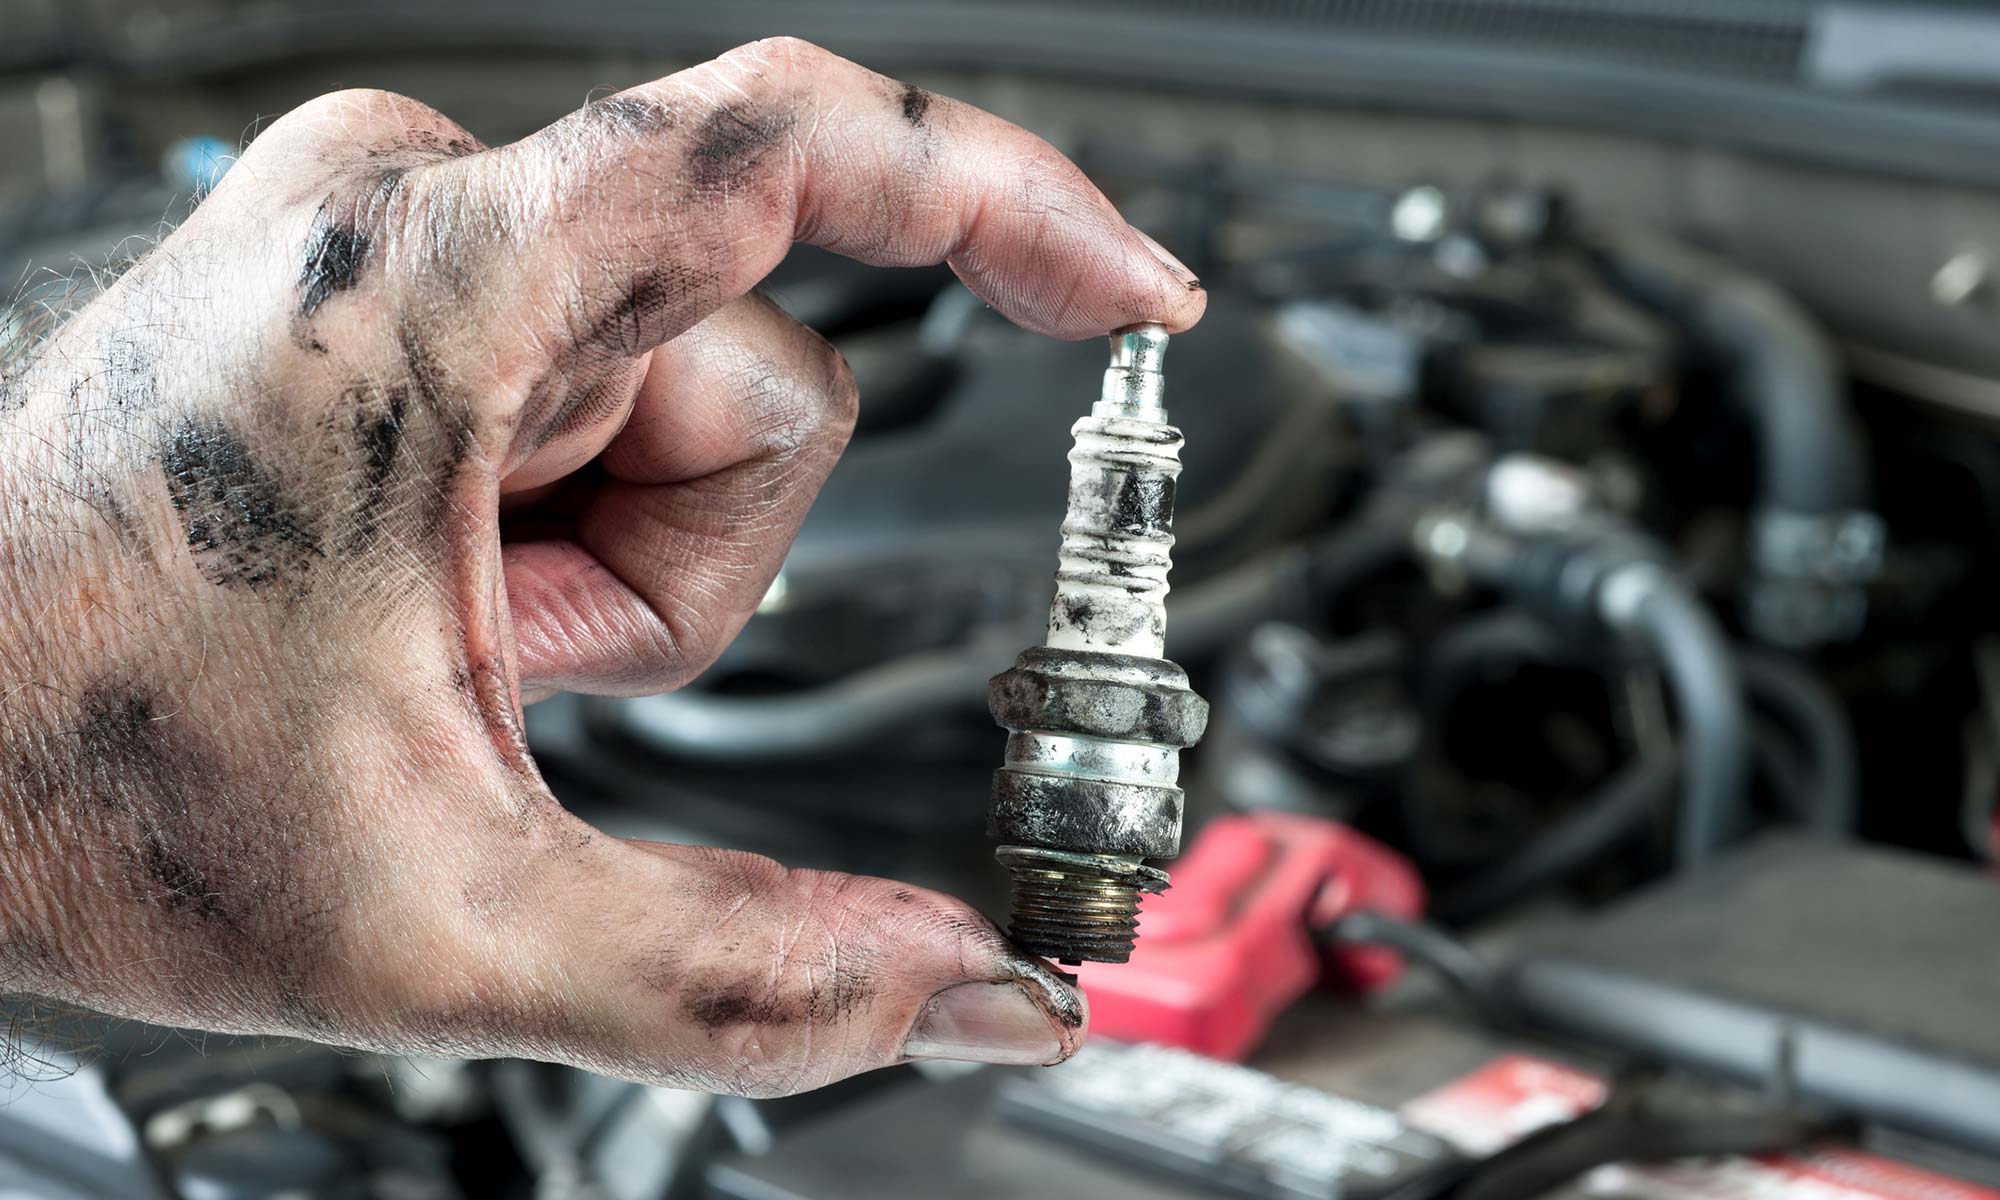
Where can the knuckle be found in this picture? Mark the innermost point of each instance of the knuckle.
(365, 114)
(364, 101)
(785, 53)
(837, 396)
(1054, 180)
(674, 650)
(742, 872)
(338, 129)
(844, 395)
(801, 404)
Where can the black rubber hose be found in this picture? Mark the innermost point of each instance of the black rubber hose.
(1461, 967)
(1299, 582)
(1608, 577)
(1777, 761)
(816, 722)
(1464, 653)
(1809, 708)
(1783, 367)
(885, 699)
(1619, 813)
(1544, 1161)
(1620, 810)
(1672, 623)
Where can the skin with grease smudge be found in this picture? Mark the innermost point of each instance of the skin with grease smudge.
(333, 258)
(261, 762)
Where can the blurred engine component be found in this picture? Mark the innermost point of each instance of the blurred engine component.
(1842, 970)
(1588, 574)
(1815, 546)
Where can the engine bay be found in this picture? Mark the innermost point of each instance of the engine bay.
(1585, 544)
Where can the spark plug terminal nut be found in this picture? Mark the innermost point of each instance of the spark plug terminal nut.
(1096, 718)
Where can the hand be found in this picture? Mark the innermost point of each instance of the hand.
(396, 428)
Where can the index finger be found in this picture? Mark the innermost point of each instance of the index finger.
(642, 213)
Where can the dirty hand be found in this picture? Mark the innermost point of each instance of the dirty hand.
(395, 429)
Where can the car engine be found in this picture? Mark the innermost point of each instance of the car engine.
(1585, 540)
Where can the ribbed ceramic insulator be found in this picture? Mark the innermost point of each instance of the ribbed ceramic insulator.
(1111, 573)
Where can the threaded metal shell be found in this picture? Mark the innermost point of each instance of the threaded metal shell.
(1076, 907)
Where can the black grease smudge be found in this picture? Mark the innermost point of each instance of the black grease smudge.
(624, 330)
(1142, 504)
(732, 141)
(582, 404)
(124, 524)
(719, 999)
(720, 1008)
(130, 381)
(1077, 611)
(378, 431)
(380, 202)
(427, 374)
(916, 104)
(184, 887)
(592, 377)
(1052, 993)
(125, 744)
(221, 850)
(429, 144)
(625, 113)
(334, 254)
(117, 729)
(13, 393)
(241, 527)
(438, 399)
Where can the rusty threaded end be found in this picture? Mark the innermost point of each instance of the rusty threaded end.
(1076, 907)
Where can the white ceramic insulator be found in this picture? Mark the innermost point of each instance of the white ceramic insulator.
(1111, 573)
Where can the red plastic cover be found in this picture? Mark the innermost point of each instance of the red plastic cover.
(1229, 946)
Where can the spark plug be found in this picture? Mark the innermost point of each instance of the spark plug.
(1096, 718)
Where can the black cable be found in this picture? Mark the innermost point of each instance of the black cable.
(1778, 762)
(1620, 1131)
(1619, 810)
(1787, 375)
(1671, 622)
(1298, 582)
(1546, 1160)
(1818, 790)
(815, 722)
(1811, 710)
(1457, 964)
(882, 699)
(1603, 576)
(1470, 648)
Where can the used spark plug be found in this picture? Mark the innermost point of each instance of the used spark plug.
(1096, 718)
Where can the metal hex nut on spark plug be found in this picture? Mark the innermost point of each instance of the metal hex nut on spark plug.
(1099, 695)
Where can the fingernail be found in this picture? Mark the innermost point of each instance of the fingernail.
(1167, 260)
(988, 1023)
